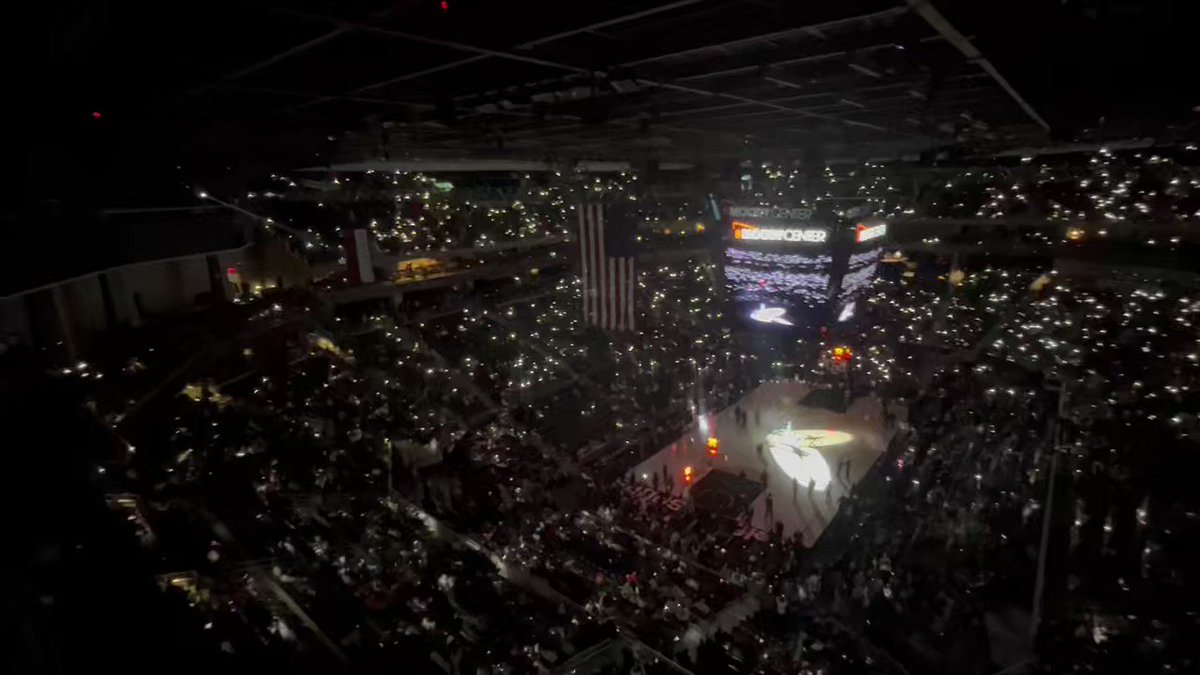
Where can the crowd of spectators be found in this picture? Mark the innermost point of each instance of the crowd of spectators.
(1124, 351)
(363, 495)
(452, 489)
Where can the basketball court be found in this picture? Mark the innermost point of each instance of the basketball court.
(813, 452)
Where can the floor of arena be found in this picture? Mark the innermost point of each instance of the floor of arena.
(802, 433)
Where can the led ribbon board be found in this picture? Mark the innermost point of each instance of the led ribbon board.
(771, 212)
(747, 232)
(774, 223)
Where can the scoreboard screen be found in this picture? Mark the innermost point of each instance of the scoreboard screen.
(860, 271)
(777, 278)
(798, 266)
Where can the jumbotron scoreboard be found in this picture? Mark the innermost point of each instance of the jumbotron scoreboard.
(798, 265)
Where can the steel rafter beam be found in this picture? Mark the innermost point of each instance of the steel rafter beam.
(687, 110)
(812, 58)
(679, 4)
(750, 40)
(767, 37)
(437, 42)
(341, 97)
(269, 61)
(772, 105)
(836, 90)
(729, 111)
(608, 23)
(766, 104)
(939, 23)
(449, 44)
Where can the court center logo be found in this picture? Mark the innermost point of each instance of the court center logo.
(796, 451)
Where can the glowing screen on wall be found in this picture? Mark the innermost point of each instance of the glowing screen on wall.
(859, 272)
(777, 278)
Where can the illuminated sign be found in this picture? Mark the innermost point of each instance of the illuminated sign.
(847, 312)
(748, 232)
(766, 314)
(772, 212)
(869, 232)
(796, 451)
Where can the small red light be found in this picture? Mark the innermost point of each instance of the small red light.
(445, 6)
(96, 115)
(687, 474)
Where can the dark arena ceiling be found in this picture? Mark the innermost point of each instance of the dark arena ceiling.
(131, 88)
